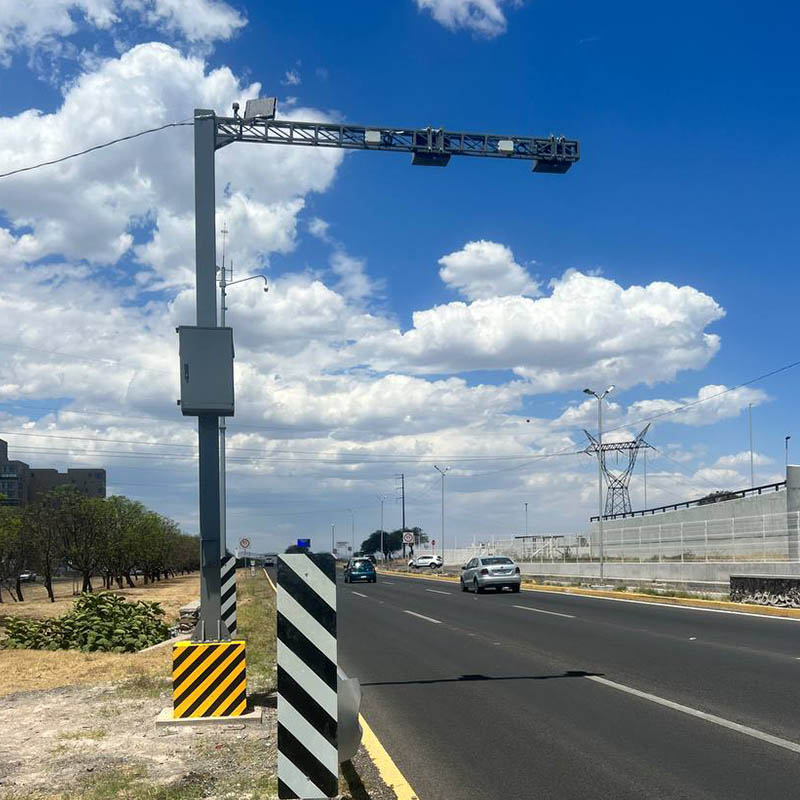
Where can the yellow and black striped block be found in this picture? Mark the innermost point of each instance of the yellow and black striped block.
(208, 679)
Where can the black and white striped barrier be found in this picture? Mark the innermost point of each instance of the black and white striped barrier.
(228, 593)
(308, 761)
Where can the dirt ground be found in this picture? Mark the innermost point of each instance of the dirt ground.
(172, 594)
(82, 726)
(98, 743)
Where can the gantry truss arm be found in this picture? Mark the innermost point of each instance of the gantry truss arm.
(429, 146)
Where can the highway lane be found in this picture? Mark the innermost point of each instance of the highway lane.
(488, 700)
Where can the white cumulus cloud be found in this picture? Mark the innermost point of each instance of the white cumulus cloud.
(588, 329)
(37, 23)
(484, 269)
(482, 17)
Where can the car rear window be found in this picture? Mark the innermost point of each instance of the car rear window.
(362, 565)
(497, 560)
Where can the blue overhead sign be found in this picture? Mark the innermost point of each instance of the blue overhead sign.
(304, 543)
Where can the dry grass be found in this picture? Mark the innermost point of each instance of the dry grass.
(26, 670)
(172, 594)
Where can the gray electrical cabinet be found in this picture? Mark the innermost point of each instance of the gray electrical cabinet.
(206, 356)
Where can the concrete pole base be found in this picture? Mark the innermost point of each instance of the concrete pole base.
(254, 717)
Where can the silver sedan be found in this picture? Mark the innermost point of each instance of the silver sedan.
(482, 572)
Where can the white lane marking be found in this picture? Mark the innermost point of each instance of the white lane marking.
(692, 638)
(388, 583)
(542, 611)
(422, 616)
(436, 591)
(358, 593)
(693, 712)
(665, 605)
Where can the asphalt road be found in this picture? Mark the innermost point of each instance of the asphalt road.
(485, 696)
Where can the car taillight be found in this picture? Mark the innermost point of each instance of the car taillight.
(516, 571)
(484, 571)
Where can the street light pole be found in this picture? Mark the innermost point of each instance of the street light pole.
(333, 532)
(750, 425)
(526, 519)
(786, 445)
(223, 296)
(442, 472)
(352, 532)
(600, 471)
(381, 498)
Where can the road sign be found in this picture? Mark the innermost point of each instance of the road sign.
(408, 538)
(244, 543)
(304, 543)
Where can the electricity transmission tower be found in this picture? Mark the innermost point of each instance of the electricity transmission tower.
(427, 146)
(618, 498)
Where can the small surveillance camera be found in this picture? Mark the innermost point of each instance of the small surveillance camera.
(235, 109)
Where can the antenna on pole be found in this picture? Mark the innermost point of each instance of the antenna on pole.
(224, 233)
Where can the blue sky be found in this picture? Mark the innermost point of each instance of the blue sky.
(687, 120)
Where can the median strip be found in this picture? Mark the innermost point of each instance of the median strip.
(693, 712)
(542, 611)
(422, 616)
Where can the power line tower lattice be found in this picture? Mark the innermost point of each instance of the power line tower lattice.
(618, 498)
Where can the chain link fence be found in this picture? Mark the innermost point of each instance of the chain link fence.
(765, 538)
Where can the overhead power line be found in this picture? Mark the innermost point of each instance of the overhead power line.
(95, 147)
(693, 403)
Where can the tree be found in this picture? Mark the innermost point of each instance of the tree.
(392, 542)
(40, 528)
(119, 556)
(82, 526)
(295, 548)
(12, 551)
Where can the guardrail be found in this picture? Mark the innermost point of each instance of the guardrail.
(720, 497)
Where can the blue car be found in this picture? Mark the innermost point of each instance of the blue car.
(360, 569)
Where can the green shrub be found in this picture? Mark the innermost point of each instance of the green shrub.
(103, 621)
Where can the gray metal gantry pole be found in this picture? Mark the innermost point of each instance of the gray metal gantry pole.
(210, 625)
(428, 147)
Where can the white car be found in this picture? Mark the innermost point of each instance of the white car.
(421, 562)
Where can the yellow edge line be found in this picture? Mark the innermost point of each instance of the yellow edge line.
(274, 587)
(744, 608)
(387, 769)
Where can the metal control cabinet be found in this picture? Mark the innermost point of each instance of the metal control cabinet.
(206, 363)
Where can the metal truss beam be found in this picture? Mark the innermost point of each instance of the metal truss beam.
(618, 499)
(550, 154)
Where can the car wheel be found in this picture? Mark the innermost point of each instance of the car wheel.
(463, 585)
(515, 588)
(476, 587)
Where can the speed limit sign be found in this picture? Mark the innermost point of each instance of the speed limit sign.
(408, 538)
(244, 543)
